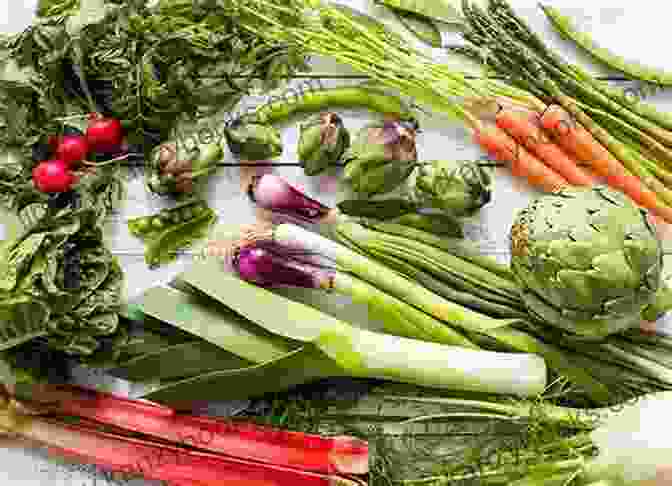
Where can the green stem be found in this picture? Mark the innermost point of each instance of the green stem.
(398, 317)
(460, 248)
(438, 287)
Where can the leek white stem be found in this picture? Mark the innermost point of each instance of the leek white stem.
(393, 358)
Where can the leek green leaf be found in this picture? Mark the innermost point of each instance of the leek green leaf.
(300, 366)
(196, 358)
(299, 322)
(214, 323)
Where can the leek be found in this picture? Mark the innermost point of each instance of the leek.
(502, 334)
(330, 347)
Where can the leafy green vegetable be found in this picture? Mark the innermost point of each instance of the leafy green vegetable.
(40, 295)
(149, 66)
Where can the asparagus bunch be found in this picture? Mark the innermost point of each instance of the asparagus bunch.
(636, 134)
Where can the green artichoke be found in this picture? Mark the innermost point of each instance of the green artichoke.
(253, 141)
(381, 157)
(588, 261)
(322, 142)
(459, 188)
(178, 170)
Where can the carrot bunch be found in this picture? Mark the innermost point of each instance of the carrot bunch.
(551, 150)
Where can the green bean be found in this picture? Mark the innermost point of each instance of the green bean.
(564, 26)
(455, 246)
(438, 224)
(470, 300)
(186, 214)
(448, 267)
(367, 97)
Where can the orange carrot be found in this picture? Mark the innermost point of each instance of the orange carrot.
(580, 143)
(526, 131)
(500, 146)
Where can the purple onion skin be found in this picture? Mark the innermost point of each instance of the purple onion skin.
(268, 269)
(275, 194)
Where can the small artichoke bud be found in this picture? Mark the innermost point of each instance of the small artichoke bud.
(177, 170)
(323, 141)
(378, 144)
(460, 188)
(252, 141)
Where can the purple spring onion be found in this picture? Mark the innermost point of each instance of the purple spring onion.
(258, 257)
(272, 192)
(269, 267)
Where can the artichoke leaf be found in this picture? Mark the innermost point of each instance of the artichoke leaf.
(577, 255)
(582, 289)
(644, 255)
(614, 270)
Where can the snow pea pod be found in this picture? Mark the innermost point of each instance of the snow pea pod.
(421, 27)
(564, 26)
(439, 10)
(163, 248)
(310, 102)
(172, 229)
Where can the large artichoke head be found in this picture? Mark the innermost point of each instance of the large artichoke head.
(588, 260)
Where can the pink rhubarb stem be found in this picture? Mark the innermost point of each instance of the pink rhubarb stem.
(308, 452)
(164, 462)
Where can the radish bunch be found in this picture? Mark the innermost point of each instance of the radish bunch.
(103, 135)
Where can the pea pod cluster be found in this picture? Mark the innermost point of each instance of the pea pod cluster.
(171, 230)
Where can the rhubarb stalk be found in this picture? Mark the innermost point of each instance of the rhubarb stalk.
(326, 455)
(152, 460)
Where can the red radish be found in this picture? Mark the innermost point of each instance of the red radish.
(53, 176)
(104, 134)
(72, 148)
